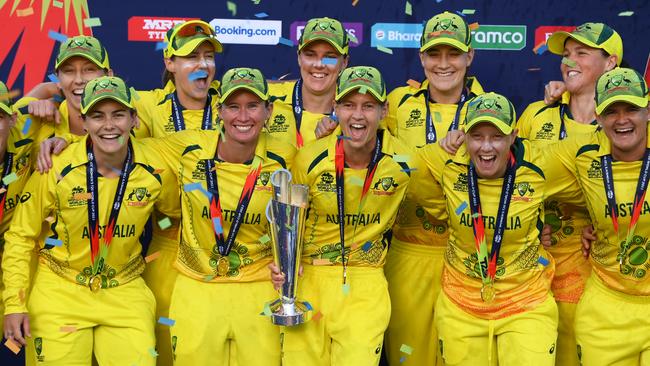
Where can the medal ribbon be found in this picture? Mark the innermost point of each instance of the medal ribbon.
(431, 135)
(8, 162)
(639, 197)
(339, 165)
(224, 245)
(487, 264)
(97, 253)
(296, 103)
(179, 121)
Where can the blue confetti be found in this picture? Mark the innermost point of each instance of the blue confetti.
(161, 46)
(543, 261)
(57, 98)
(403, 358)
(189, 187)
(366, 247)
(166, 321)
(460, 13)
(216, 222)
(28, 124)
(409, 170)
(333, 117)
(206, 193)
(261, 15)
(57, 36)
(53, 78)
(308, 306)
(54, 242)
(198, 75)
(329, 61)
(461, 208)
(286, 42)
(542, 49)
(343, 137)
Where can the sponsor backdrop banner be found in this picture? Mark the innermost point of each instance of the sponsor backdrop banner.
(258, 33)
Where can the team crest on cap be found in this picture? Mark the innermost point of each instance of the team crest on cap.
(488, 104)
(79, 42)
(324, 25)
(615, 81)
(242, 75)
(444, 25)
(361, 74)
(104, 86)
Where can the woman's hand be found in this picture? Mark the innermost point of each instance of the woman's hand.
(553, 91)
(545, 237)
(325, 127)
(53, 145)
(16, 328)
(44, 109)
(452, 141)
(588, 237)
(278, 277)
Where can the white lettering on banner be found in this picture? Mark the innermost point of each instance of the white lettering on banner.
(498, 37)
(160, 24)
(247, 31)
(300, 28)
(399, 36)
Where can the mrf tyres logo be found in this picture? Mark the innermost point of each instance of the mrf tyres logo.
(152, 29)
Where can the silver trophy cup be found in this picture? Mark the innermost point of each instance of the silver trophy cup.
(287, 212)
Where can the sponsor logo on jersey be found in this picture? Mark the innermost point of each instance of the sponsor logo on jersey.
(78, 197)
(595, 170)
(415, 118)
(384, 186)
(199, 171)
(263, 181)
(523, 192)
(279, 124)
(138, 197)
(461, 183)
(326, 183)
(546, 132)
(38, 345)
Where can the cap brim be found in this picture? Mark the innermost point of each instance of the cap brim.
(190, 46)
(555, 42)
(640, 102)
(85, 109)
(373, 92)
(324, 39)
(446, 41)
(500, 125)
(80, 54)
(225, 95)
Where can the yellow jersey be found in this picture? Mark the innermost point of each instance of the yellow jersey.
(60, 198)
(368, 226)
(542, 124)
(522, 278)
(186, 153)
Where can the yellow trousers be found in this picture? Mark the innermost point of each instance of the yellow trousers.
(526, 338)
(566, 335)
(69, 323)
(350, 324)
(612, 327)
(413, 274)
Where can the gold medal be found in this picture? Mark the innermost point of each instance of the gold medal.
(223, 266)
(95, 283)
(488, 293)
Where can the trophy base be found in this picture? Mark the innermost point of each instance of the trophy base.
(303, 313)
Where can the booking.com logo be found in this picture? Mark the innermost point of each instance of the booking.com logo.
(247, 31)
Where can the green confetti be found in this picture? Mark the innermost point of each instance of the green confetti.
(57, 4)
(256, 2)
(628, 13)
(469, 11)
(208, 278)
(437, 116)
(346, 289)
(153, 353)
(352, 38)
(121, 140)
(385, 50)
(402, 158)
(134, 93)
(267, 310)
(165, 223)
(10, 178)
(363, 90)
(568, 62)
(408, 9)
(232, 7)
(264, 239)
(406, 349)
(92, 22)
(355, 181)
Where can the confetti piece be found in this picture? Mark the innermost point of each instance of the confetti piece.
(12, 94)
(158, 171)
(355, 181)
(475, 215)
(57, 4)
(165, 223)
(316, 317)
(25, 12)
(409, 170)
(9, 178)
(57, 36)
(3, 190)
(216, 223)
(534, 69)
(256, 2)
(208, 278)
(329, 61)
(408, 9)
(267, 310)
(121, 140)
(568, 62)
(166, 321)
(321, 262)
(461, 208)
(92, 22)
(474, 26)
(58, 98)
(54, 242)
(366, 247)
(53, 78)
(343, 137)
(261, 15)
(28, 124)
(437, 116)
(308, 306)
(628, 13)
(469, 11)
(50, 219)
(134, 93)
(82, 196)
(543, 261)
(385, 50)
(286, 42)
(402, 158)
(355, 2)
(12, 346)
(414, 84)
(542, 49)
(161, 46)
(346, 289)
(284, 76)
(153, 352)
(198, 75)
(460, 13)
(232, 7)
(68, 329)
(189, 187)
(402, 359)
(406, 349)
(152, 257)
(363, 90)
(264, 239)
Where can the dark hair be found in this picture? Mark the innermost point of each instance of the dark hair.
(168, 76)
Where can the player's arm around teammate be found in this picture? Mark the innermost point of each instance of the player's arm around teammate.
(95, 202)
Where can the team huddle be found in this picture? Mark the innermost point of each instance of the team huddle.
(441, 228)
